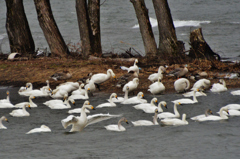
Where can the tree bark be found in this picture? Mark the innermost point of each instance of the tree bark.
(19, 34)
(145, 27)
(200, 48)
(50, 29)
(167, 35)
(94, 17)
(84, 27)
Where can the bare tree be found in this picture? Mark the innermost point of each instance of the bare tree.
(50, 29)
(167, 35)
(84, 27)
(145, 27)
(94, 16)
(19, 34)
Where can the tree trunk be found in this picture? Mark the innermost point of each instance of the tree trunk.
(50, 29)
(145, 27)
(19, 34)
(84, 27)
(94, 16)
(167, 36)
(200, 48)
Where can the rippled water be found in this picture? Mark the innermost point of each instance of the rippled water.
(213, 140)
(218, 19)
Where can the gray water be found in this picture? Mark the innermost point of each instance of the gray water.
(218, 19)
(215, 140)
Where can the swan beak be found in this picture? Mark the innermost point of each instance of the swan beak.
(33, 97)
(88, 89)
(126, 122)
(6, 120)
(227, 112)
(143, 96)
(29, 106)
(156, 102)
(211, 112)
(116, 97)
(179, 103)
(73, 103)
(165, 106)
(93, 108)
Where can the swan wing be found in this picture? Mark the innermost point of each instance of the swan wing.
(92, 119)
(70, 120)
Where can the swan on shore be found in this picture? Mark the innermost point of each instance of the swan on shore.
(132, 85)
(154, 77)
(157, 87)
(147, 122)
(215, 117)
(169, 114)
(175, 121)
(3, 118)
(117, 127)
(30, 102)
(101, 77)
(43, 128)
(219, 87)
(207, 112)
(134, 68)
(202, 83)
(181, 85)
(20, 112)
(110, 103)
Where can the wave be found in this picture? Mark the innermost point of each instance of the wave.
(177, 23)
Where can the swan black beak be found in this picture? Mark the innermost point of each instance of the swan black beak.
(6, 120)
(127, 122)
(93, 108)
(166, 107)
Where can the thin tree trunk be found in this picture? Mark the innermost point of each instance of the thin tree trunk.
(145, 27)
(84, 27)
(50, 29)
(19, 34)
(167, 35)
(94, 16)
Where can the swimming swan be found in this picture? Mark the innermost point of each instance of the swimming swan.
(152, 109)
(175, 121)
(131, 84)
(20, 112)
(237, 92)
(154, 77)
(181, 85)
(136, 99)
(202, 115)
(145, 105)
(170, 115)
(147, 122)
(79, 91)
(110, 104)
(80, 122)
(78, 110)
(219, 87)
(157, 87)
(43, 128)
(78, 96)
(120, 99)
(188, 101)
(58, 104)
(7, 100)
(3, 118)
(117, 127)
(214, 117)
(32, 105)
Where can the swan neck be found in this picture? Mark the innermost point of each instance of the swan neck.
(188, 84)
(194, 96)
(155, 118)
(160, 107)
(126, 95)
(175, 109)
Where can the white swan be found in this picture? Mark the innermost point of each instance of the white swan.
(117, 127)
(134, 68)
(178, 72)
(157, 87)
(58, 93)
(110, 103)
(233, 106)
(181, 85)
(56, 101)
(7, 100)
(154, 77)
(237, 92)
(131, 84)
(202, 115)
(6, 105)
(170, 115)
(175, 121)
(43, 128)
(79, 91)
(80, 122)
(121, 81)
(25, 89)
(202, 83)
(68, 86)
(231, 112)
(78, 110)
(147, 122)
(78, 96)
(190, 94)
(152, 109)
(59, 104)
(101, 77)
(45, 87)
(91, 86)
(219, 87)
(20, 112)
(136, 99)
(188, 101)
(32, 105)
(120, 99)
(214, 117)
(145, 105)
(1, 124)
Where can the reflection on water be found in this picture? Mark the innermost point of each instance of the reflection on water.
(197, 140)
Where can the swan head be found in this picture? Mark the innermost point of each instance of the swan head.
(73, 101)
(82, 85)
(7, 92)
(90, 107)
(136, 80)
(163, 103)
(27, 105)
(4, 118)
(114, 95)
(86, 102)
(154, 100)
(156, 110)
(32, 97)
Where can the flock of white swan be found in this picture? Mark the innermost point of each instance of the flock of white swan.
(67, 93)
